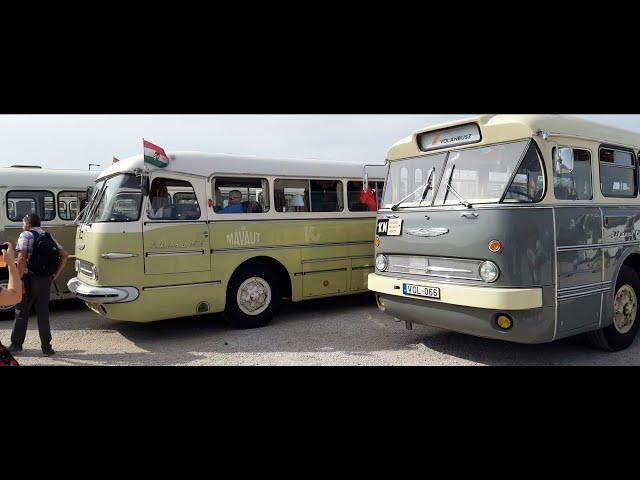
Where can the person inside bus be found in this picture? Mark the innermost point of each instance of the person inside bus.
(158, 199)
(235, 203)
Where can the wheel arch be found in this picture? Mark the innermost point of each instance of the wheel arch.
(283, 275)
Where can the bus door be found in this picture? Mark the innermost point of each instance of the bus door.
(175, 230)
(578, 227)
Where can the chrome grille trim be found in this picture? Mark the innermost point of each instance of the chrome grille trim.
(440, 267)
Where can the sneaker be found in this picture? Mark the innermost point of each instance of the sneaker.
(47, 352)
(14, 348)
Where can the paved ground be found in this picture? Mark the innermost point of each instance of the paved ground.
(339, 331)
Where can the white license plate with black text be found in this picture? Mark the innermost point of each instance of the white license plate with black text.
(420, 290)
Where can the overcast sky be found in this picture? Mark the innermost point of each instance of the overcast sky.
(74, 141)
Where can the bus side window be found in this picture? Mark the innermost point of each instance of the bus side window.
(162, 206)
(575, 185)
(291, 195)
(359, 200)
(617, 173)
(241, 195)
(68, 203)
(40, 202)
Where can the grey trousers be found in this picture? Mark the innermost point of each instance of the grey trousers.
(36, 294)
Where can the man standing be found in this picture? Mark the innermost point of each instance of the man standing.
(40, 260)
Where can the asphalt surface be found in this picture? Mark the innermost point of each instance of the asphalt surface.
(336, 331)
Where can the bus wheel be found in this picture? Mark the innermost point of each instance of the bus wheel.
(6, 312)
(253, 296)
(621, 333)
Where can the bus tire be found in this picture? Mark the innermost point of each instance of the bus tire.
(253, 297)
(622, 331)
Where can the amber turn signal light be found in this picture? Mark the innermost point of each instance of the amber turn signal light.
(376, 242)
(495, 246)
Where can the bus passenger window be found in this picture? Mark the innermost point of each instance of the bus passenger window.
(575, 185)
(162, 200)
(240, 195)
(360, 201)
(42, 203)
(617, 173)
(326, 195)
(68, 202)
(291, 195)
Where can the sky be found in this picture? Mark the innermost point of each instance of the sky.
(75, 141)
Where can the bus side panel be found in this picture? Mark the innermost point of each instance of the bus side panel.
(316, 252)
(622, 224)
(579, 268)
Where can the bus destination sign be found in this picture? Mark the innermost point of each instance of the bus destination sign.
(449, 137)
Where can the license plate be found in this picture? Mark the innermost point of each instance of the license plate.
(420, 291)
(389, 226)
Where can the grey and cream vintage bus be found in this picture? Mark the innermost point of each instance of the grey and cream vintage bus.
(516, 227)
(57, 196)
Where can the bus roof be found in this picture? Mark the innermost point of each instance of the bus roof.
(203, 164)
(46, 178)
(496, 128)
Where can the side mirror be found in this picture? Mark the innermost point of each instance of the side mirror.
(563, 160)
(144, 185)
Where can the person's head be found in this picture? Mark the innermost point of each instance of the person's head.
(30, 221)
(235, 197)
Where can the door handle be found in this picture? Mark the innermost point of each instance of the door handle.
(469, 214)
(205, 234)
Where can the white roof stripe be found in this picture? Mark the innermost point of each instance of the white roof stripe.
(203, 164)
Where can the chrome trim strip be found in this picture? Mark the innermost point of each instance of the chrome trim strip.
(446, 269)
(201, 284)
(583, 294)
(594, 246)
(177, 253)
(311, 245)
(118, 255)
(582, 137)
(325, 271)
(557, 275)
(588, 285)
(363, 267)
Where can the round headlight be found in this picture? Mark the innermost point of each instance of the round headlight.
(381, 263)
(489, 271)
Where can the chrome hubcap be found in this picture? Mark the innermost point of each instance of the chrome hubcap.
(254, 296)
(625, 307)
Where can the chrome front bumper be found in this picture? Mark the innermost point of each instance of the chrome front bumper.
(90, 293)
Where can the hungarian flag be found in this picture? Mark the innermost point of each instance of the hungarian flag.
(115, 160)
(155, 155)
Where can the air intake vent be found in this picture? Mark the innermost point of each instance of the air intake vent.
(203, 307)
(26, 166)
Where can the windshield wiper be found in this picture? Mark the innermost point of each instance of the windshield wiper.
(450, 188)
(426, 186)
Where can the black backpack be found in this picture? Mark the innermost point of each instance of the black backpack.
(45, 258)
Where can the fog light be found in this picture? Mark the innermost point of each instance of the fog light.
(381, 262)
(504, 322)
(380, 301)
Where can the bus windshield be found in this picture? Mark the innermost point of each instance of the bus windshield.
(118, 200)
(474, 175)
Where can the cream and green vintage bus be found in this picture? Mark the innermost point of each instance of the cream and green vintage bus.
(223, 233)
(516, 227)
(57, 196)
